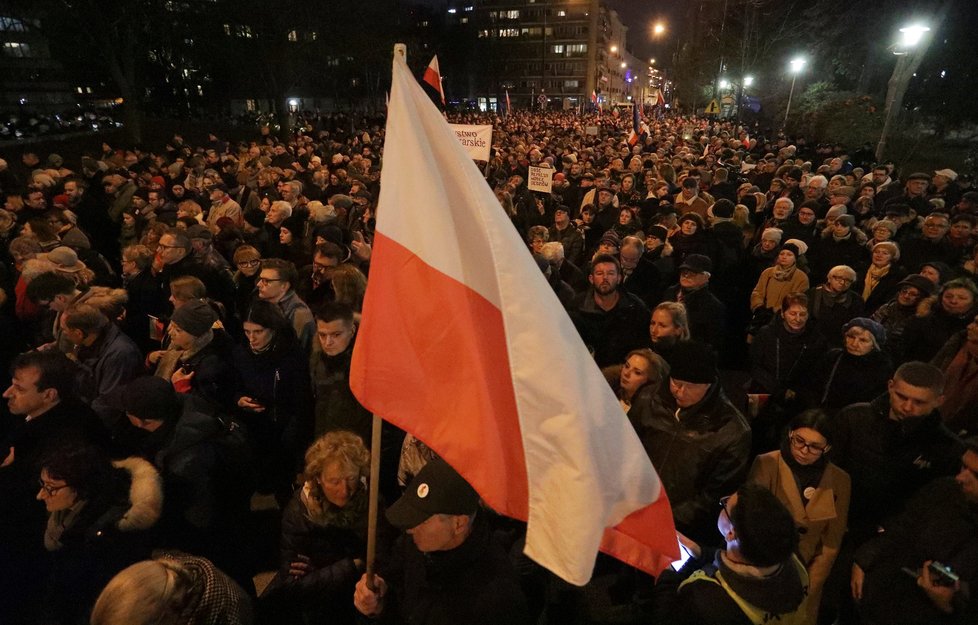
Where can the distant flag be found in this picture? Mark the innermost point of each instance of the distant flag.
(509, 108)
(478, 317)
(660, 100)
(636, 133)
(594, 97)
(432, 76)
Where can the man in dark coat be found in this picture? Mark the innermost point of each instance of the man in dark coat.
(707, 314)
(46, 413)
(938, 525)
(611, 322)
(894, 445)
(447, 569)
(700, 453)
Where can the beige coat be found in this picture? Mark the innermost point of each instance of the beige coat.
(769, 293)
(821, 524)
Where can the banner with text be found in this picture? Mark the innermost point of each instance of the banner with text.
(475, 139)
(541, 179)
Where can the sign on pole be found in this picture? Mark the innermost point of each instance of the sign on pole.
(541, 179)
(713, 108)
(475, 139)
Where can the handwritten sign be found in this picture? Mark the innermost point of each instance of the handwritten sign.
(540, 179)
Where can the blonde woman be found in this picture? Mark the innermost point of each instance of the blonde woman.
(324, 535)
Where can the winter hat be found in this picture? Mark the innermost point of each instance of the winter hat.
(694, 362)
(801, 248)
(341, 201)
(874, 327)
(772, 234)
(64, 258)
(75, 238)
(200, 232)
(195, 317)
(295, 225)
(255, 218)
(610, 238)
(697, 263)
(151, 398)
(846, 220)
(658, 232)
(790, 247)
(723, 209)
(889, 225)
(836, 211)
(919, 282)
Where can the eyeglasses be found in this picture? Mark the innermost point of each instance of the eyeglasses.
(723, 504)
(249, 263)
(265, 280)
(51, 491)
(160, 246)
(842, 279)
(800, 444)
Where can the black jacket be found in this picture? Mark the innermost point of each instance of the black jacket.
(700, 456)
(475, 583)
(888, 460)
(780, 359)
(707, 315)
(614, 333)
(839, 379)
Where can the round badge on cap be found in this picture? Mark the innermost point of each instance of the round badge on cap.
(422, 490)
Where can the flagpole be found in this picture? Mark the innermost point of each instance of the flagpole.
(373, 509)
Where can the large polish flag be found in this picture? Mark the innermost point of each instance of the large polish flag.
(464, 344)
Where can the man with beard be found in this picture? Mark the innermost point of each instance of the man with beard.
(610, 321)
(93, 217)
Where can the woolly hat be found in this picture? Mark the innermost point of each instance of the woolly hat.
(198, 231)
(846, 220)
(658, 232)
(800, 247)
(254, 217)
(919, 282)
(874, 328)
(772, 234)
(64, 258)
(790, 247)
(610, 237)
(836, 211)
(889, 225)
(693, 362)
(151, 398)
(195, 317)
(75, 238)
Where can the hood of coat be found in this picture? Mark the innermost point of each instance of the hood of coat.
(145, 495)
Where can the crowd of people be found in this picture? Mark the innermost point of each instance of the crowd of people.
(791, 330)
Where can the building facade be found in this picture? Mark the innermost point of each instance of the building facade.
(545, 53)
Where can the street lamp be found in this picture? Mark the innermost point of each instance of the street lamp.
(797, 64)
(909, 57)
(748, 81)
(614, 49)
(658, 29)
(724, 83)
(651, 61)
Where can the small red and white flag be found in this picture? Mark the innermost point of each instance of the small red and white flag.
(432, 76)
(509, 108)
(462, 344)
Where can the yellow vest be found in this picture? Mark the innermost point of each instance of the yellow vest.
(755, 614)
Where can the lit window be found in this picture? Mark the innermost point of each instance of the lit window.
(293, 35)
(453, 11)
(512, 15)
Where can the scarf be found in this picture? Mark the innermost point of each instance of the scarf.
(873, 276)
(837, 239)
(58, 522)
(784, 274)
(806, 476)
(321, 512)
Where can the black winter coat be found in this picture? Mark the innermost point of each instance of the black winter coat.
(780, 359)
(839, 379)
(706, 314)
(701, 455)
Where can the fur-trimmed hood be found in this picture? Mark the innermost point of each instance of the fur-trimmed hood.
(145, 495)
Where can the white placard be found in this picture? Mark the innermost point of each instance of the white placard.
(475, 139)
(541, 179)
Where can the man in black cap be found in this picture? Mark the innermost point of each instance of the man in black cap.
(564, 232)
(447, 569)
(707, 314)
(701, 454)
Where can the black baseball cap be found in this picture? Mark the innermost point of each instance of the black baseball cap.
(436, 489)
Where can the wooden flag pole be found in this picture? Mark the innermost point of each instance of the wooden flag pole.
(373, 510)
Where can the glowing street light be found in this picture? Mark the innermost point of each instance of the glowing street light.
(614, 49)
(658, 29)
(748, 81)
(910, 51)
(651, 61)
(624, 65)
(912, 35)
(797, 64)
(724, 83)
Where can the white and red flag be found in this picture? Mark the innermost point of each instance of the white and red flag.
(464, 345)
(432, 76)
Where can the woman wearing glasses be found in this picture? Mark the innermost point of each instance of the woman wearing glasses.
(324, 536)
(814, 490)
(100, 514)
